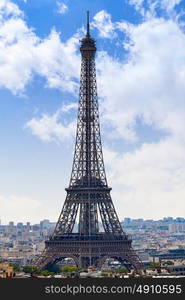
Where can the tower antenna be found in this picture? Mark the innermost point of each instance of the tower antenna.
(88, 30)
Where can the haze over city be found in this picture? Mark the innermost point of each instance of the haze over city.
(141, 75)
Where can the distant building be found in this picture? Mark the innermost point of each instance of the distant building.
(180, 220)
(176, 227)
(20, 225)
(127, 220)
(174, 254)
(45, 224)
(168, 219)
(176, 270)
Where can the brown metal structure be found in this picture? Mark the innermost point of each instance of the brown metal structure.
(88, 195)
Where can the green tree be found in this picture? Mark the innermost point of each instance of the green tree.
(30, 269)
(154, 265)
(16, 268)
(69, 269)
(45, 273)
(168, 262)
(122, 270)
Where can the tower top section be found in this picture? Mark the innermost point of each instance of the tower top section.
(88, 29)
(88, 44)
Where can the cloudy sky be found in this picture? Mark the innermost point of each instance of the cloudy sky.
(141, 87)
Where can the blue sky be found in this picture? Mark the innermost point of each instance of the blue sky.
(141, 74)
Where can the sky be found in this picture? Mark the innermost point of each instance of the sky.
(140, 65)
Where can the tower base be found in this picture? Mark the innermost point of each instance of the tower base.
(89, 250)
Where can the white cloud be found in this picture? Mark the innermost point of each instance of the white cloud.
(149, 182)
(148, 8)
(62, 8)
(59, 62)
(20, 209)
(169, 4)
(102, 21)
(23, 54)
(150, 86)
(69, 107)
(8, 8)
(54, 127)
(16, 58)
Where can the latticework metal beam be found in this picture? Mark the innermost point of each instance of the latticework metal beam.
(88, 194)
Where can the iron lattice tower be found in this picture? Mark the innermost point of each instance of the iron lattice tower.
(88, 195)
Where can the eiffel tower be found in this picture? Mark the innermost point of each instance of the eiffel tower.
(88, 195)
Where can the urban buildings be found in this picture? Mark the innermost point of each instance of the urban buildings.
(154, 241)
(21, 242)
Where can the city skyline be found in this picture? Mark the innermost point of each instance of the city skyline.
(126, 219)
(141, 72)
(151, 239)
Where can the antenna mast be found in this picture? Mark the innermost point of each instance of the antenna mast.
(88, 30)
